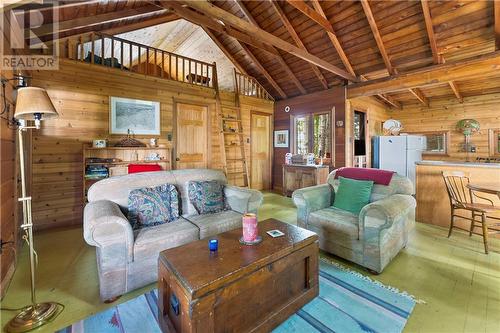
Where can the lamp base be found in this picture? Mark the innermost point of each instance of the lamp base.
(33, 316)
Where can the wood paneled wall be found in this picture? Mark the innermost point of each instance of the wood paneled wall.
(80, 93)
(376, 112)
(8, 174)
(443, 115)
(306, 104)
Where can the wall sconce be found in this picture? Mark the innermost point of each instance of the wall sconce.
(339, 123)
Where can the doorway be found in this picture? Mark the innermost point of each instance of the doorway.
(191, 136)
(361, 142)
(260, 151)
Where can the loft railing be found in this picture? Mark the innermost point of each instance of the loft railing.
(110, 51)
(248, 86)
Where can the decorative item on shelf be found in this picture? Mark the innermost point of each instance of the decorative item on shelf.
(96, 172)
(392, 127)
(250, 230)
(99, 143)
(129, 142)
(288, 158)
(152, 157)
(153, 142)
(311, 159)
(468, 127)
(32, 104)
(298, 159)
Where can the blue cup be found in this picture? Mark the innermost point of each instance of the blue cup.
(213, 245)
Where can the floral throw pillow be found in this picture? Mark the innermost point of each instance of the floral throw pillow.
(207, 196)
(153, 206)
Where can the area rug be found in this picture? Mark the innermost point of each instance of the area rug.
(347, 302)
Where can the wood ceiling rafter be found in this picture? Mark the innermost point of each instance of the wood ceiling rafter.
(247, 28)
(319, 16)
(278, 56)
(224, 50)
(168, 17)
(437, 58)
(240, 38)
(496, 9)
(92, 20)
(383, 52)
(291, 30)
(472, 68)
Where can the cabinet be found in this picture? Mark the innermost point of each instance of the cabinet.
(114, 161)
(300, 176)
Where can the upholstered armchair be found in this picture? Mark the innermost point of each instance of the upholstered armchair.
(372, 238)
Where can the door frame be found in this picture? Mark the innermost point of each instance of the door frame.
(368, 146)
(177, 101)
(271, 150)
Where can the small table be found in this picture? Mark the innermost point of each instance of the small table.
(486, 188)
(239, 288)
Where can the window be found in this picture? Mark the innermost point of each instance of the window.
(438, 142)
(494, 141)
(312, 134)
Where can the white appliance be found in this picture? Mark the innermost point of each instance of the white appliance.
(398, 154)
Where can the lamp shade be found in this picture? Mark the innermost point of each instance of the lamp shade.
(33, 102)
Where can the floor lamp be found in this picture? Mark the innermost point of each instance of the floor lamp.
(32, 104)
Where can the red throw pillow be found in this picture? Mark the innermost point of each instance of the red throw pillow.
(134, 168)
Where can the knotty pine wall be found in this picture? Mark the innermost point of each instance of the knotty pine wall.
(443, 114)
(80, 93)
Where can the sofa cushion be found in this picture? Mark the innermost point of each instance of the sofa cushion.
(352, 195)
(339, 222)
(213, 224)
(149, 242)
(153, 206)
(206, 196)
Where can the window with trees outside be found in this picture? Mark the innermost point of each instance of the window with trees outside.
(494, 141)
(312, 134)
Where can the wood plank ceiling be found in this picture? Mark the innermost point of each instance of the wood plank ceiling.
(295, 47)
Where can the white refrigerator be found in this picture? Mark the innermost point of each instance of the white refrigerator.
(398, 154)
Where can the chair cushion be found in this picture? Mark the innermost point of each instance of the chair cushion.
(149, 242)
(206, 196)
(213, 224)
(153, 206)
(339, 222)
(352, 195)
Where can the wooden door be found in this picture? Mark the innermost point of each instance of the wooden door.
(260, 156)
(192, 140)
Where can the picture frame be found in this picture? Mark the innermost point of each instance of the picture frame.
(140, 117)
(281, 139)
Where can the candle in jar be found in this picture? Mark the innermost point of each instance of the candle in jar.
(250, 230)
(213, 245)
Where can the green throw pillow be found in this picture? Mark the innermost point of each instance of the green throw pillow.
(352, 195)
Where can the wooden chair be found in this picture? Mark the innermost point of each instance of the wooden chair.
(462, 198)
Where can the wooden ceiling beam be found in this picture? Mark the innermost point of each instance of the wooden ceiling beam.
(231, 20)
(472, 68)
(430, 32)
(278, 56)
(457, 93)
(420, 96)
(312, 14)
(47, 29)
(263, 71)
(291, 30)
(121, 29)
(224, 50)
(376, 35)
(496, 8)
(391, 101)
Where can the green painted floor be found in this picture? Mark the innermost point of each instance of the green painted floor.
(460, 284)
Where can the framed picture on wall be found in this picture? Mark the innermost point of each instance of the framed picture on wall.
(281, 139)
(134, 115)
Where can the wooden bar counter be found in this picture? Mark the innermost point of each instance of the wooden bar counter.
(433, 205)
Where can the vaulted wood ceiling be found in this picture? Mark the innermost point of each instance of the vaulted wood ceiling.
(297, 47)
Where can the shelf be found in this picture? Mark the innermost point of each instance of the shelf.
(126, 162)
(233, 133)
(127, 148)
(231, 119)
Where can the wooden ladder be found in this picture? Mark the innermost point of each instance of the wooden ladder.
(231, 126)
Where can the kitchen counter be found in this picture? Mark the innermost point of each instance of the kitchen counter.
(433, 204)
(459, 164)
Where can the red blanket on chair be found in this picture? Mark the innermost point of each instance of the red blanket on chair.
(134, 168)
(382, 177)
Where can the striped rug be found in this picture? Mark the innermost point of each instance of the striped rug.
(347, 302)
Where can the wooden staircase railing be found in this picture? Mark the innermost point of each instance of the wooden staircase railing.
(246, 85)
(107, 50)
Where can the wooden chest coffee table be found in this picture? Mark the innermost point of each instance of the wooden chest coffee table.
(239, 288)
